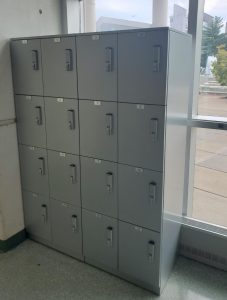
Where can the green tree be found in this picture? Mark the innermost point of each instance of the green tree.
(220, 66)
(212, 38)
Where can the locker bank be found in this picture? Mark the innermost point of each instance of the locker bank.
(101, 124)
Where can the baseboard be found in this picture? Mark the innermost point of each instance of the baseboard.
(13, 241)
(204, 247)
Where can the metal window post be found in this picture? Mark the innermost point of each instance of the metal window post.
(160, 13)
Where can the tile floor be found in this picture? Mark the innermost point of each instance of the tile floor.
(34, 272)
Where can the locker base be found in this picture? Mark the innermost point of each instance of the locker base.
(13, 241)
(111, 271)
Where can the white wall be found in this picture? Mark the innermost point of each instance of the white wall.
(17, 18)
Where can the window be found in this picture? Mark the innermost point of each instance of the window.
(207, 201)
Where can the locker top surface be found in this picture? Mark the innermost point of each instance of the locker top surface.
(102, 33)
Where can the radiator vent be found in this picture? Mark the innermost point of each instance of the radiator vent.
(204, 256)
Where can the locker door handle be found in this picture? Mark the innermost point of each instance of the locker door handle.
(151, 247)
(74, 223)
(44, 213)
(154, 129)
(73, 173)
(68, 60)
(109, 59)
(110, 236)
(109, 181)
(38, 113)
(71, 119)
(41, 166)
(152, 192)
(109, 124)
(156, 58)
(35, 60)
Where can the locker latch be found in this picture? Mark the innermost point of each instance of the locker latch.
(152, 192)
(68, 60)
(151, 247)
(41, 166)
(71, 119)
(35, 60)
(74, 223)
(109, 59)
(109, 236)
(109, 181)
(156, 58)
(38, 113)
(109, 124)
(154, 129)
(44, 213)
(73, 173)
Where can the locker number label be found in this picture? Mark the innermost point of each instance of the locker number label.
(139, 170)
(28, 97)
(97, 161)
(95, 37)
(140, 229)
(140, 106)
(31, 148)
(24, 42)
(57, 40)
(62, 154)
(97, 103)
(60, 100)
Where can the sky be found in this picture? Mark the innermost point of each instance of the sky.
(141, 10)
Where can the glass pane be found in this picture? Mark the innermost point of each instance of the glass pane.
(178, 14)
(212, 100)
(210, 178)
(127, 14)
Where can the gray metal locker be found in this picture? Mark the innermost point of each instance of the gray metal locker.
(140, 196)
(99, 186)
(97, 66)
(33, 169)
(31, 120)
(37, 215)
(139, 254)
(100, 239)
(62, 124)
(142, 66)
(98, 129)
(66, 228)
(64, 177)
(27, 67)
(141, 135)
(59, 67)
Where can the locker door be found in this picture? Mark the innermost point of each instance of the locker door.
(62, 124)
(27, 67)
(140, 196)
(64, 171)
(99, 186)
(100, 239)
(66, 228)
(141, 135)
(142, 66)
(31, 120)
(97, 66)
(37, 215)
(139, 253)
(98, 129)
(33, 168)
(59, 67)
